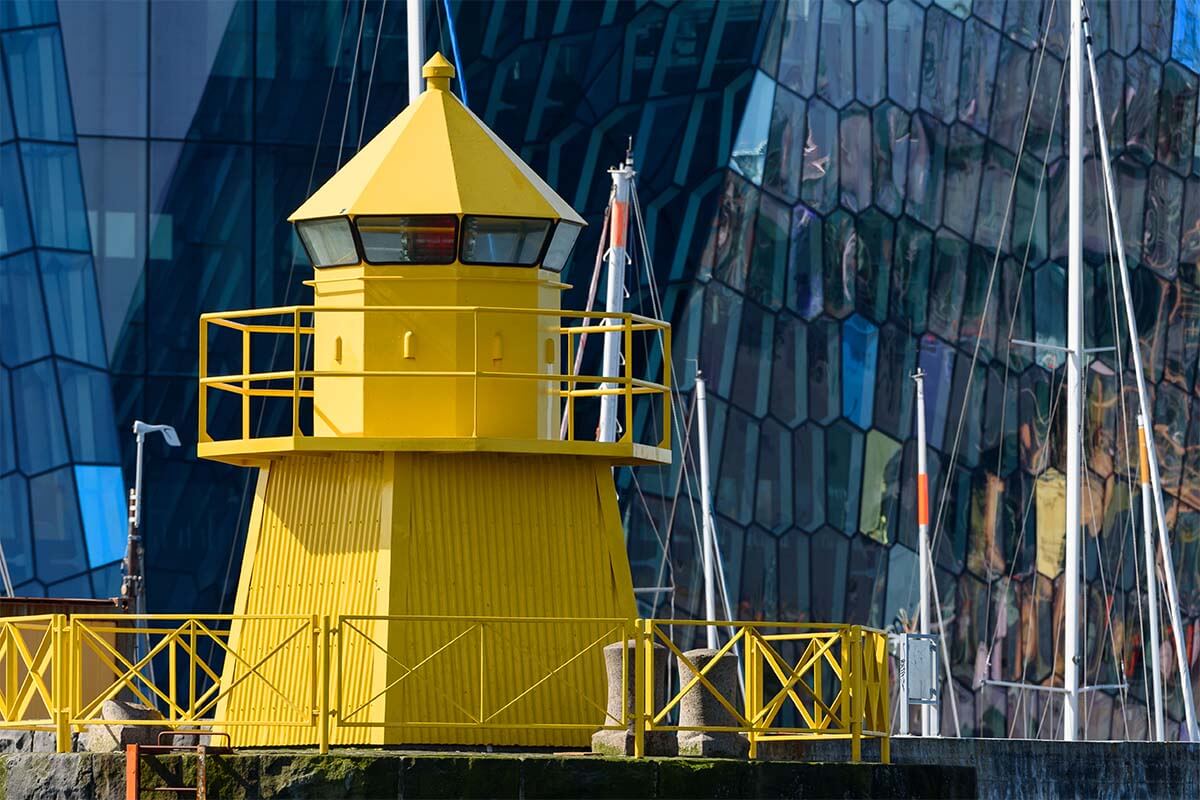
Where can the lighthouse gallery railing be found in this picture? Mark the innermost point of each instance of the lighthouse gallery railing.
(295, 384)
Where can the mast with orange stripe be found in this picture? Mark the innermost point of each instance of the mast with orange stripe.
(927, 721)
(1151, 581)
(622, 178)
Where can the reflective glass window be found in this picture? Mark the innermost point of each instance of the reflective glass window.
(106, 51)
(926, 169)
(14, 528)
(810, 473)
(504, 241)
(201, 56)
(977, 78)
(789, 371)
(1164, 210)
(8, 447)
(56, 195)
(860, 346)
(905, 22)
(1185, 35)
(835, 59)
(798, 50)
(41, 438)
(23, 13)
(909, 294)
(785, 149)
(70, 286)
(890, 126)
(57, 533)
(768, 263)
(38, 83)
(7, 129)
(805, 264)
(101, 502)
(23, 335)
(940, 65)
(87, 400)
(819, 180)
(561, 245)
(750, 146)
(870, 47)
(329, 242)
(843, 475)
(1177, 116)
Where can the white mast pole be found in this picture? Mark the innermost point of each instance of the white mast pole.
(1074, 371)
(1151, 581)
(614, 299)
(923, 533)
(416, 47)
(1189, 702)
(709, 539)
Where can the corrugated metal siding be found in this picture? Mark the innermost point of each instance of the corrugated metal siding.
(317, 551)
(503, 535)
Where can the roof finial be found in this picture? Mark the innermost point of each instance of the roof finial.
(437, 73)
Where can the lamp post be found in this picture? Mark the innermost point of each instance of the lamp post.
(133, 584)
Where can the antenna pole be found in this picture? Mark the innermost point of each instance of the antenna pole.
(1151, 580)
(1074, 372)
(709, 539)
(1164, 540)
(416, 47)
(918, 377)
(614, 300)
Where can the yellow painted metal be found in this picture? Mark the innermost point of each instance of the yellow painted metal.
(436, 157)
(466, 678)
(361, 536)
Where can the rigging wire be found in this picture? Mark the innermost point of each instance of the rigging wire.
(362, 125)
(362, 17)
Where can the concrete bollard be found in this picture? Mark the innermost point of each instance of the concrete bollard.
(699, 707)
(620, 742)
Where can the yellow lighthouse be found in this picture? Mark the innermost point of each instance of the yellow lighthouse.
(427, 493)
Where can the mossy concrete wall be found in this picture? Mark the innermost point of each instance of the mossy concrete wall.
(389, 774)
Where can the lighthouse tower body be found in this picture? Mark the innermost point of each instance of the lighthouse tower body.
(432, 489)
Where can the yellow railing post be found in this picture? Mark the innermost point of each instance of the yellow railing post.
(753, 697)
(666, 396)
(885, 696)
(571, 388)
(295, 371)
(643, 686)
(856, 694)
(62, 682)
(203, 398)
(323, 635)
(628, 437)
(246, 383)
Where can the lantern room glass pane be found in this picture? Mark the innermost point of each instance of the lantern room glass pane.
(329, 242)
(504, 241)
(561, 245)
(427, 239)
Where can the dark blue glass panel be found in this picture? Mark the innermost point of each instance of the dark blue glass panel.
(38, 83)
(8, 438)
(729, 249)
(824, 392)
(856, 157)
(841, 263)
(860, 347)
(721, 323)
(890, 157)
(795, 577)
(805, 264)
(14, 528)
(1049, 291)
(977, 78)
(57, 534)
(1143, 79)
(926, 169)
(936, 360)
(41, 438)
(874, 234)
(101, 501)
(23, 335)
(55, 195)
(830, 557)
(903, 573)
(785, 150)
(106, 50)
(70, 287)
(940, 65)
(114, 180)
(200, 56)
(964, 169)
(768, 261)
(810, 476)
(773, 494)
(1014, 73)
(1164, 210)
(7, 127)
(1177, 118)
(909, 297)
(23, 13)
(1156, 18)
(819, 187)
(835, 64)
(905, 24)
(200, 244)
(739, 461)
(843, 476)
(752, 376)
(789, 371)
(865, 583)
(947, 284)
(798, 52)
(894, 386)
(14, 219)
(87, 399)
(870, 47)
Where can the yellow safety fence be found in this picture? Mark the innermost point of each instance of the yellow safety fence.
(797, 681)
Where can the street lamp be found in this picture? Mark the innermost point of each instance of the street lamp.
(133, 585)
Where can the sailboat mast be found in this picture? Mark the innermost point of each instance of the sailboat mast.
(416, 48)
(614, 300)
(1074, 377)
(923, 555)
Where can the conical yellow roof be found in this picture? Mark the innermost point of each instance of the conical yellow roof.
(436, 158)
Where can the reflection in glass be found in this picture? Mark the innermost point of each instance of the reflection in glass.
(860, 346)
(750, 146)
(329, 242)
(486, 240)
(38, 83)
(410, 240)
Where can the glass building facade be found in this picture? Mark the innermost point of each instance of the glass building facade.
(824, 186)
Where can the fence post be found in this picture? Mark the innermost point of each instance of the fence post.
(643, 684)
(296, 379)
(323, 678)
(753, 690)
(245, 383)
(202, 399)
(59, 630)
(856, 693)
(665, 442)
(885, 696)
(628, 379)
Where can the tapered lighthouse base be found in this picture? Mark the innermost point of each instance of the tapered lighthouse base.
(360, 536)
